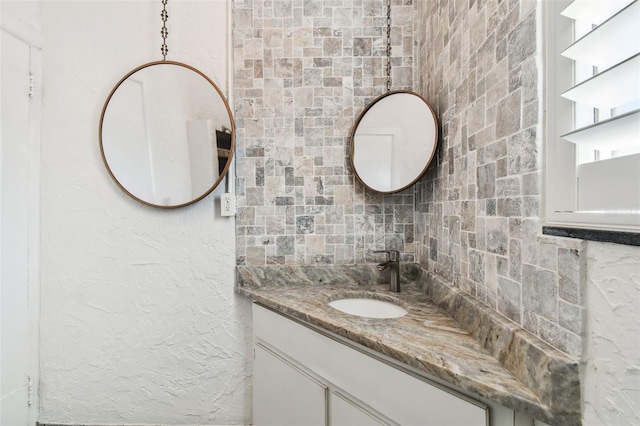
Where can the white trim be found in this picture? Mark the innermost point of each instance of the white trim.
(35, 153)
(34, 39)
(558, 180)
(231, 172)
(621, 222)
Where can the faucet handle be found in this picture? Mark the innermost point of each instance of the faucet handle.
(394, 255)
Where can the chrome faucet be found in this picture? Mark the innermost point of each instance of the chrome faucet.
(394, 266)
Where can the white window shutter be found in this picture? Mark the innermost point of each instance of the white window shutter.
(608, 179)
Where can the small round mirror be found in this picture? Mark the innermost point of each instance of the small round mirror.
(166, 134)
(393, 141)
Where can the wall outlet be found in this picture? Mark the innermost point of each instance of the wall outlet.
(227, 204)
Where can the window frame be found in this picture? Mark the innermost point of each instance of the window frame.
(559, 172)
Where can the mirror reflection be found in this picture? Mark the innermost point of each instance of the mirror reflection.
(393, 141)
(166, 134)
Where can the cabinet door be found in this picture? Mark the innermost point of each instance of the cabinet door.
(284, 395)
(344, 411)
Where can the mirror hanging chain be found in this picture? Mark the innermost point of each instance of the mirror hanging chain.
(388, 46)
(164, 32)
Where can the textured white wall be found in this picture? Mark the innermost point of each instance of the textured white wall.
(612, 354)
(139, 320)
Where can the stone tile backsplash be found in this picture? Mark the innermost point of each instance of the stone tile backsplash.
(303, 72)
(478, 210)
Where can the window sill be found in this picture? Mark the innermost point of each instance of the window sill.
(617, 237)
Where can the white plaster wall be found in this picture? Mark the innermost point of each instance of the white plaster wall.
(28, 12)
(139, 320)
(611, 373)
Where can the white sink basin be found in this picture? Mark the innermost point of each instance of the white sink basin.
(370, 308)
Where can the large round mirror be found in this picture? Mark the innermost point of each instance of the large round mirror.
(167, 134)
(393, 141)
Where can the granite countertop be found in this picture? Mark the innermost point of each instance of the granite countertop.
(427, 338)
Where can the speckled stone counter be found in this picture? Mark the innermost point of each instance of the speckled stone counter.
(445, 333)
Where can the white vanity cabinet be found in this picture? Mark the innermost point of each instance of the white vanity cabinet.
(344, 411)
(284, 395)
(306, 377)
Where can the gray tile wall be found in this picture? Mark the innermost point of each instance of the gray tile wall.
(478, 210)
(304, 70)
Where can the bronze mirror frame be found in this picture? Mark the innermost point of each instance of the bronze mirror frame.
(355, 128)
(222, 173)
